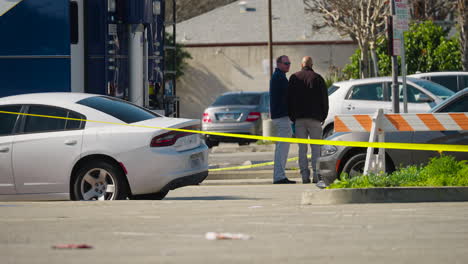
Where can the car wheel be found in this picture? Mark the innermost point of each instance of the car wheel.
(355, 165)
(100, 180)
(210, 143)
(151, 196)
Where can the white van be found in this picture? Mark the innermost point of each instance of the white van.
(455, 81)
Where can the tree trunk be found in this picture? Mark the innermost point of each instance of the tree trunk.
(375, 62)
(463, 23)
(364, 60)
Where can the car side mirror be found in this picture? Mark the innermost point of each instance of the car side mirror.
(425, 99)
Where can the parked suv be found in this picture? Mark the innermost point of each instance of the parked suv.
(235, 112)
(455, 81)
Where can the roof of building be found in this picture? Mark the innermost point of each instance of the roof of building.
(246, 22)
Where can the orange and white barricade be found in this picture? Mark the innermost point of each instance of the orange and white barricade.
(379, 123)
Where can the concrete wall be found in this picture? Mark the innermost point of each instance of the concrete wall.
(215, 70)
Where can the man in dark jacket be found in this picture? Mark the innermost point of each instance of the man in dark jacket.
(279, 116)
(308, 108)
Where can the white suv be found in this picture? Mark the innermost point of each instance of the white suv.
(365, 96)
(455, 81)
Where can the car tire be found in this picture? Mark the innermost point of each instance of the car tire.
(151, 196)
(100, 180)
(210, 143)
(355, 165)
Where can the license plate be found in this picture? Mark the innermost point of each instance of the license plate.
(196, 159)
(188, 140)
(227, 117)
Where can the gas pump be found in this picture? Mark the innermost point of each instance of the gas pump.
(125, 51)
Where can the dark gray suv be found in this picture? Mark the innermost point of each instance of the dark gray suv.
(335, 160)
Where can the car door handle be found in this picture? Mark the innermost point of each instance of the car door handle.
(4, 149)
(350, 107)
(70, 142)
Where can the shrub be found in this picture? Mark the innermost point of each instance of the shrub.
(440, 171)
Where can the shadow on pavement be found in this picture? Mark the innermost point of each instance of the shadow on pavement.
(211, 198)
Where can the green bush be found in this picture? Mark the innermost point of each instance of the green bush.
(427, 48)
(440, 171)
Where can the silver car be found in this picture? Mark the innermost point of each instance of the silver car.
(335, 160)
(236, 112)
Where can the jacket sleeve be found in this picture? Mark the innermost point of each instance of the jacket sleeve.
(324, 93)
(273, 94)
(291, 96)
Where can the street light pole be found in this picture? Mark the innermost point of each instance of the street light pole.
(270, 39)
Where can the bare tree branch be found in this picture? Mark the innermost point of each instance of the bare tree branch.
(361, 20)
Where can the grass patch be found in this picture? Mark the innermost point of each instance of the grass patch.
(264, 142)
(440, 171)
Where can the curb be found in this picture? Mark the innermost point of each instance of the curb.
(385, 195)
(246, 182)
(249, 174)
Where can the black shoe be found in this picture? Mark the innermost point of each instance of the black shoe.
(306, 181)
(284, 181)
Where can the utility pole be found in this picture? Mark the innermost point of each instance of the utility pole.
(174, 21)
(270, 39)
(395, 90)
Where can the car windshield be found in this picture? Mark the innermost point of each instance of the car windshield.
(332, 89)
(434, 88)
(122, 110)
(237, 99)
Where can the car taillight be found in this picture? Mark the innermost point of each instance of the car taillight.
(253, 116)
(170, 138)
(206, 118)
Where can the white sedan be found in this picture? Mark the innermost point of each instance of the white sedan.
(365, 96)
(54, 159)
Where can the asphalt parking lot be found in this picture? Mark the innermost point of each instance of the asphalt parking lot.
(173, 230)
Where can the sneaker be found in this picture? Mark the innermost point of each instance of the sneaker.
(306, 181)
(321, 184)
(284, 181)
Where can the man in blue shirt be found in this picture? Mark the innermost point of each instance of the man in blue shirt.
(279, 116)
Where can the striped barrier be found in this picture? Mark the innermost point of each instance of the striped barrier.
(380, 123)
(403, 122)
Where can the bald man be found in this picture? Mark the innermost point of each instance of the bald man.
(308, 108)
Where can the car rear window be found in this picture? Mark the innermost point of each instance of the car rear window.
(332, 89)
(434, 88)
(237, 99)
(122, 110)
(7, 121)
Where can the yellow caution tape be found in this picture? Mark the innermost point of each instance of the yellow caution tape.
(253, 165)
(387, 145)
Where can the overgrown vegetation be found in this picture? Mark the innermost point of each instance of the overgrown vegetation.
(440, 171)
(333, 75)
(427, 49)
